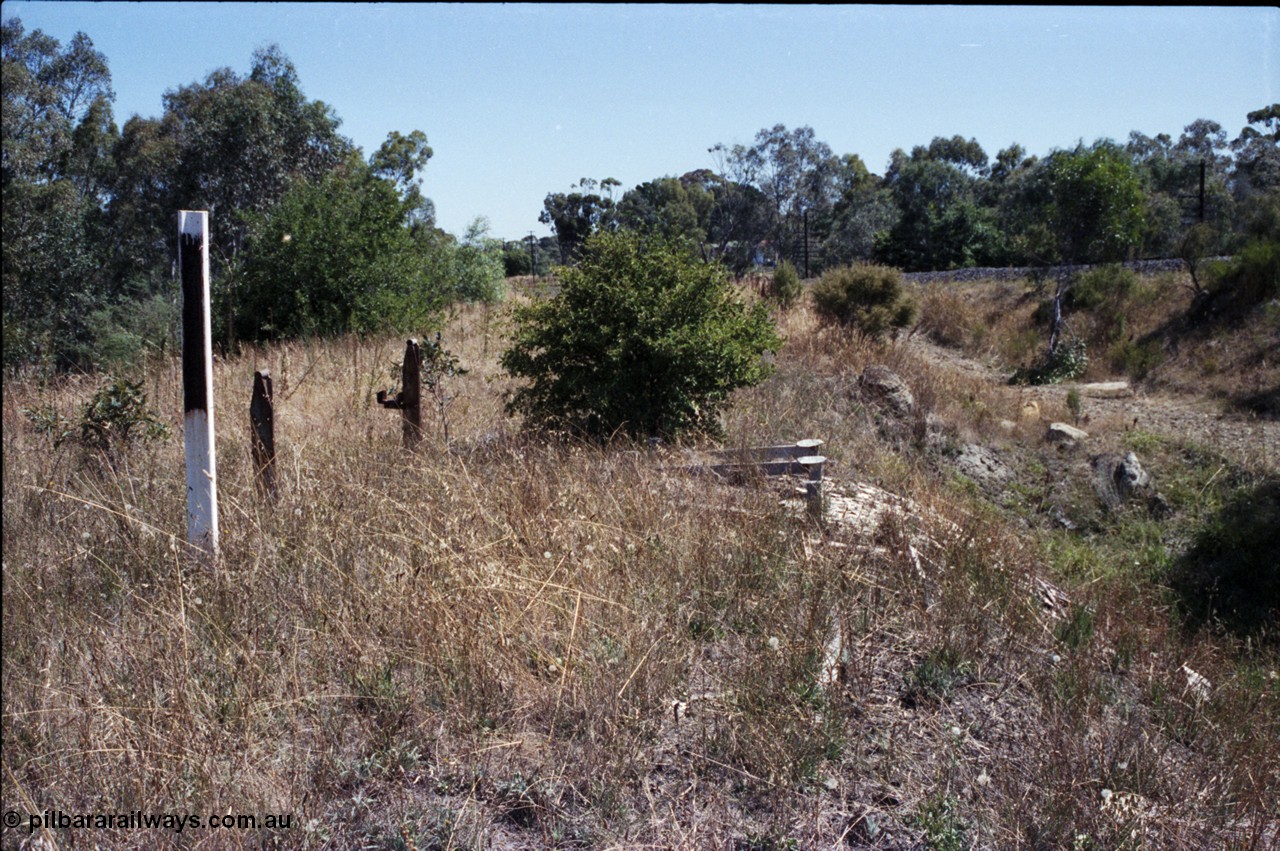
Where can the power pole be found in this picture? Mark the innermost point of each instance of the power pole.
(806, 243)
(1202, 168)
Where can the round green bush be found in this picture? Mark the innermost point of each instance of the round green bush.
(865, 297)
(642, 339)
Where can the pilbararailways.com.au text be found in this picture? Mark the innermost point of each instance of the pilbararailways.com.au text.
(138, 820)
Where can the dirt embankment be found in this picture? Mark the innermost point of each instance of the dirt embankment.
(1246, 439)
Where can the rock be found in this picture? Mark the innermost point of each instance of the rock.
(1129, 476)
(885, 386)
(983, 466)
(1066, 435)
(1118, 480)
(1105, 390)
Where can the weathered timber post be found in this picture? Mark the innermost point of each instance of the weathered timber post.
(197, 381)
(409, 400)
(262, 435)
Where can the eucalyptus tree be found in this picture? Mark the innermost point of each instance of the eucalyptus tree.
(57, 130)
(862, 209)
(1094, 209)
(399, 160)
(668, 207)
(230, 144)
(1257, 158)
(577, 214)
(942, 223)
(737, 221)
(797, 174)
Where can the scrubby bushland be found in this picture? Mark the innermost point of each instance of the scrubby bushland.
(643, 338)
(865, 297)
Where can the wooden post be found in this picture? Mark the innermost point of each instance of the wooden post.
(197, 381)
(262, 435)
(409, 399)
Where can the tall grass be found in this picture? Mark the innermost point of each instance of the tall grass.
(504, 643)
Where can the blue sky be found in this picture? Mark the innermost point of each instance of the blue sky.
(521, 100)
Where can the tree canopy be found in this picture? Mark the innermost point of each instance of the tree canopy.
(307, 236)
(88, 206)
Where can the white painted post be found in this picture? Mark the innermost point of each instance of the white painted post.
(197, 381)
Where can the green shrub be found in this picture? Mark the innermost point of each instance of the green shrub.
(942, 826)
(335, 256)
(642, 338)
(1254, 276)
(1136, 360)
(865, 297)
(785, 288)
(1109, 284)
(935, 676)
(516, 260)
(1066, 362)
(470, 269)
(118, 416)
(46, 420)
(1074, 404)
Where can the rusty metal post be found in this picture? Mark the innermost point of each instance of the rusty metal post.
(409, 400)
(262, 436)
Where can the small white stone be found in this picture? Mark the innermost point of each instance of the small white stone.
(774, 644)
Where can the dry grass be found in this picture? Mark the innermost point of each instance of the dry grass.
(1148, 334)
(504, 644)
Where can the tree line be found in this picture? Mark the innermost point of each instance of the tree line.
(311, 236)
(947, 205)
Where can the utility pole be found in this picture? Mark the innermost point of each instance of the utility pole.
(1202, 169)
(806, 243)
